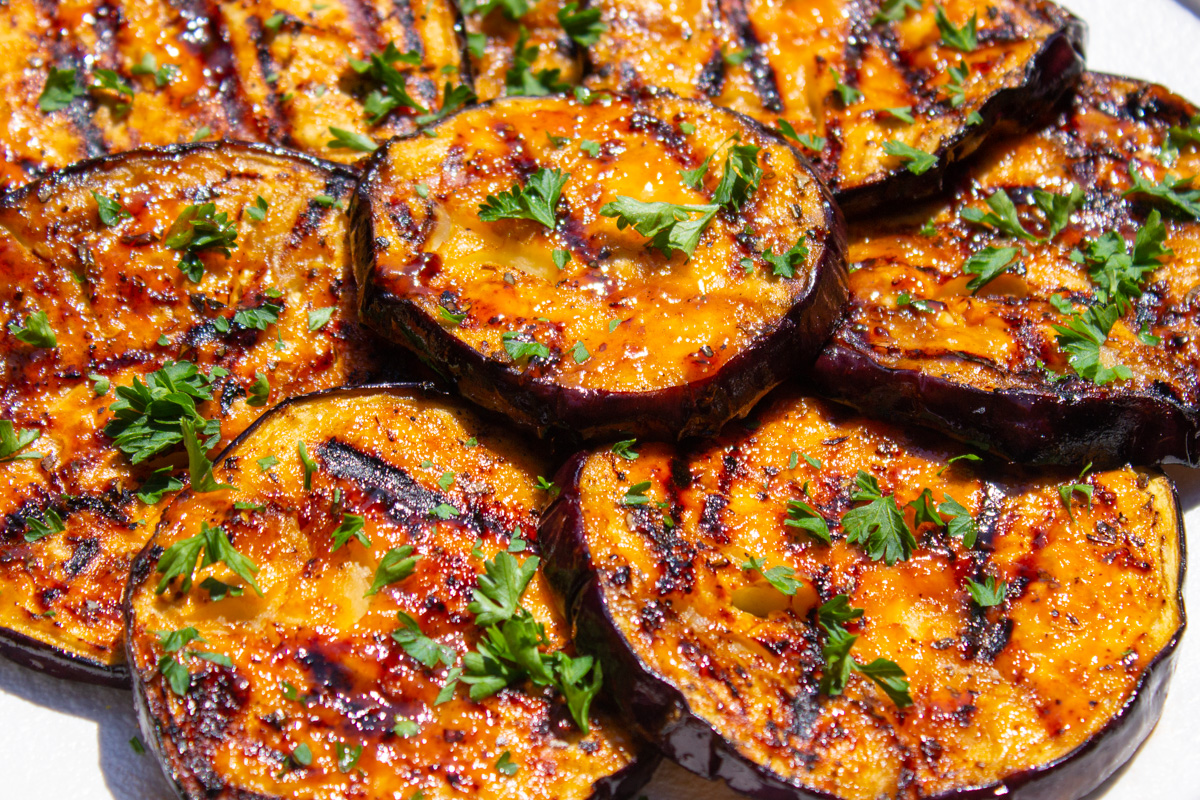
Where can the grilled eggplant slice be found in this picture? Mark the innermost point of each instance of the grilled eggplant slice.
(295, 63)
(918, 345)
(93, 301)
(529, 55)
(847, 78)
(1030, 664)
(556, 314)
(332, 680)
(84, 79)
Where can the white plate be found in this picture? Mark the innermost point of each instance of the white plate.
(64, 740)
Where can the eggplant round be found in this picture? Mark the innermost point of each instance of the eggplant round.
(119, 309)
(302, 691)
(989, 367)
(849, 79)
(617, 337)
(88, 78)
(675, 567)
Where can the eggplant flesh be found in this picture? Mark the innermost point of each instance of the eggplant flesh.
(312, 663)
(119, 309)
(789, 59)
(619, 337)
(155, 72)
(1042, 695)
(917, 346)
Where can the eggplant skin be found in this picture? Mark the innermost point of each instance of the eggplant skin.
(976, 363)
(684, 359)
(230, 736)
(648, 607)
(109, 294)
(792, 55)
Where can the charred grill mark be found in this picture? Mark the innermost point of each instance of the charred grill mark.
(712, 78)
(988, 518)
(762, 73)
(111, 505)
(365, 23)
(216, 698)
(667, 135)
(205, 32)
(984, 640)
(710, 523)
(85, 552)
(278, 129)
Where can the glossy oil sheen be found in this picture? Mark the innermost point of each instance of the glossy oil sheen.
(110, 293)
(649, 324)
(954, 366)
(315, 628)
(1041, 696)
(782, 59)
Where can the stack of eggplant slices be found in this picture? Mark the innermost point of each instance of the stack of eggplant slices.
(490, 399)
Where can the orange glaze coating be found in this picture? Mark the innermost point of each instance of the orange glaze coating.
(1001, 339)
(999, 694)
(232, 75)
(648, 323)
(110, 293)
(315, 628)
(783, 59)
(501, 35)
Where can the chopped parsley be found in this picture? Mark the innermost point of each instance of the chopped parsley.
(806, 140)
(894, 10)
(179, 560)
(347, 757)
(351, 527)
(803, 516)
(520, 79)
(310, 466)
(318, 318)
(624, 449)
(989, 593)
(1058, 208)
(196, 229)
(784, 265)
(988, 264)
(1175, 194)
(1082, 335)
(518, 348)
(580, 352)
(1002, 217)
(426, 651)
(149, 66)
(451, 317)
(782, 578)
(505, 765)
(389, 90)
(148, 418)
(200, 469)
(887, 675)
(878, 526)
(902, 113)
(35, 331)
(582, 25)
(536, 200)
(351, 140)
(259, 318)
(60, 91)
(561, 258)
(110, 211)
(965, 38)
(846, 93)
(1067, 495)
(671, 228)
(49, 523)
(918, 162)
(635, 494)
(955, 85)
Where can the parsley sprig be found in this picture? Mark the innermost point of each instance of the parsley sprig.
(148, 417)
(671, 228)
(198, 228)
(520, 79)
(878, 526)
(390, 91)
(535, 200)
(13, 440)
(832, 616)
(179, 560)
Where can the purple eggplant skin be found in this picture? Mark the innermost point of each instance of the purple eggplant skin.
(658, 711)
(698, 408)
(1061, 427)
(58, 663)
(1049, 77)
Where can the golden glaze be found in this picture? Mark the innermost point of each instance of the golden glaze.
(555, 48)
(315, 629)
(235, 77)
(110, 293)
(1092, 601)
(995, 339)
(680, 321)
(793, 53)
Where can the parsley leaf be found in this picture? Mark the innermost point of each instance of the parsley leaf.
(902, 113)
(1067, 495)
(806, 140)
(347, 757)
(987, 264)
(965, 38)
(179, 560)
(505, 765)
(785, 264)
(198, 228)
(803, 516)
(924, 509)
(989, 593)
(624, 449)
(450, 317)
(310, 466)
(740, 178)
(1058, 208)
(259, 318)
(1002, 217)
(318, 318)
(956, 84)
(453, 98)
(962, 524)
(350, 528)
(390, 90)
(109, 210)
(782, 578)
(582, 25)
(536, 200)
(1082, 336)
(671, 228)
(426, 651)
(513, 9)
(148, 418)
(634, 495)
(500, 588)
(580, 352)
(48, 523)
(35, 331)
(878, 526)
(1174, 193)
(160, 483)
(518, 348)
(60, 90)
(1178, 137)
(889, 677)
(109, 80)
(918, 162)
(520, 79)
(894, 10)
(149, 66)
(200, 468)
(350, 140)
(405, 728)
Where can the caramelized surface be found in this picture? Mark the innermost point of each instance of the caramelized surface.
(1092, 602)
(497, 49)
(648, 323)
(315, 629)
(233, 75)
(110, 293)
(1000, 340)
(783, 59)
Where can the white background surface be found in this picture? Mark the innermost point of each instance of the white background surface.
(63, 740)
